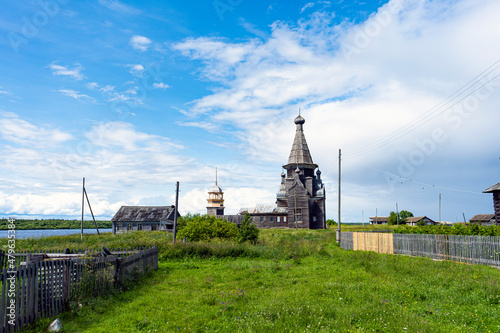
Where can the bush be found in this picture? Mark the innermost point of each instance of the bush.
(248, 231)
(204, 227)
(331, 223)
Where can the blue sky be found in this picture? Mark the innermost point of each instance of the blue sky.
(135, 96)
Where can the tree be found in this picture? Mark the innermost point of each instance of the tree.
(331, 222)
(248, 231)
(399, 218)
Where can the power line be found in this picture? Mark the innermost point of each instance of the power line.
(434, 111)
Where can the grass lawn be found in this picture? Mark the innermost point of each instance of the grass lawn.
(298, 281)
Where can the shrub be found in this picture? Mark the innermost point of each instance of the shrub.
(248, 231)
(204, 227)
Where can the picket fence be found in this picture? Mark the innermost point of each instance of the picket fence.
(484, 250)
(42, 289)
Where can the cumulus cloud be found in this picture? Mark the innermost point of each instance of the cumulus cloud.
(359, 83)
(140, 43)
(74, 72)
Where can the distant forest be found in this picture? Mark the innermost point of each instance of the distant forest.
(22, 224)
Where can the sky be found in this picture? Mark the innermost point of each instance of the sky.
(135, 96)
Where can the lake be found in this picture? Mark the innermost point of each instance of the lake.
(22, 234)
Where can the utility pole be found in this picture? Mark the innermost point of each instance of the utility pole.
(397, 214)
(83, 206)
(176, 209)
(363, 217)
(439, 208)
(338, 229)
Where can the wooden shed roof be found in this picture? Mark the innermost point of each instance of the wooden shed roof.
(144, 214)
(492, 188)
(482, 217)
(379, 218)
(412, 219)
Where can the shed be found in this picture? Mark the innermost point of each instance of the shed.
(414, 220)
(483, 219)
(147, 218)
(495, 189)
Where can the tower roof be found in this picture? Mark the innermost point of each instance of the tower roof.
(300, 151)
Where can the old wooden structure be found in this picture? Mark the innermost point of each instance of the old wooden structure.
(302, 192)
(215, 201)
(379, 219)
(484, 250)
(414, 220)
(147, 218)
(495, 189)
(267, 216)
(43, 287)
(483, 219)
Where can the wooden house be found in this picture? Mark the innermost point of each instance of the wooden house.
(495, 189)
(379, 219)
(483, 219)
(414, 220)
(147, 218)
(267, 216)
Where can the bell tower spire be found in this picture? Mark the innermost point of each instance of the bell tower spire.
(215, 201)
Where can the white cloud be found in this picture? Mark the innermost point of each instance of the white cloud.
(306, 6)
(357, 83)
(75, 72)
(209, 126)
(18, 131)
(160, 85)
(140, 43)
(137, 70)
(92, 85)
(77, 95)
(119, 7)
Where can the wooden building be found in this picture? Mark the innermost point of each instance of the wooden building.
(379, 219)
(495, 189)
(414, 220)
(267, 216)
(215, 201)
(302, 193)
(483, 219)
(147, 218)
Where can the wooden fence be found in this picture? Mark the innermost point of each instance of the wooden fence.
(483, 250)
(43, 288)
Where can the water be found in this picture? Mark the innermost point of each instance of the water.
(22, 234)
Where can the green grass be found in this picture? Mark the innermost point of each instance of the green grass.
(298, 281)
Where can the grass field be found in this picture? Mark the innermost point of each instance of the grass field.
(298, 281)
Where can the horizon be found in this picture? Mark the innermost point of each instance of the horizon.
(136, 96)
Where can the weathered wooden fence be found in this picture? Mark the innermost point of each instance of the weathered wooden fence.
(483, 250)
(42, 289)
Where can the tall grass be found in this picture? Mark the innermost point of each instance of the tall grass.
(293, 280)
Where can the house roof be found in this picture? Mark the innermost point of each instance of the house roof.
(492, 188)
(143, 214)
(417, 218)
(300, 151)
(379, 218)
(482, 217)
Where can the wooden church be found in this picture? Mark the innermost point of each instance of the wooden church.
(301, 200)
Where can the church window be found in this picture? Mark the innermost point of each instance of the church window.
(298, 215)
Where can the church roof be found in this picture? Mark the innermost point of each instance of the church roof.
(215, 189)
(492, 188)
(300, 151)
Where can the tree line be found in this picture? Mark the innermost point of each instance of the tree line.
(24, 224)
